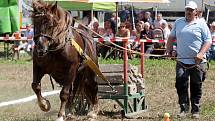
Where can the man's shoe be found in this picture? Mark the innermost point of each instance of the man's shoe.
(195, 115)
(182, 114)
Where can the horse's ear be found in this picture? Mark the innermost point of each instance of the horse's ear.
(54, 7)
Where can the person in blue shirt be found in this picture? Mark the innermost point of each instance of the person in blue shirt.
(193, 40)
(27, 45)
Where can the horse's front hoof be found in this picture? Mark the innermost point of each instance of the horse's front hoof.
(44, 105)
(59, 119)
(91, 119)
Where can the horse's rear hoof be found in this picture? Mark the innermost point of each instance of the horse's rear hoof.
(91, 115)
(45, 105)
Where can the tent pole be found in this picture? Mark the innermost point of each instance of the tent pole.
(117, 14)
(132, 14)
(208, 11)
(91, 15)
(20, 12)
(156, 11)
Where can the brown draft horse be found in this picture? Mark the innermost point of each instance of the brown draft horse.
(54, 55)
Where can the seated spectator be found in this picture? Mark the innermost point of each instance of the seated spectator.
(29, 33)
(27, 45)
(147, 18)
(108, 34)
(107, 25)
(16, 45)
(166, 30)
(96, 29)
(92, 21)
(136, 35)
(123, 31)
(147, 34)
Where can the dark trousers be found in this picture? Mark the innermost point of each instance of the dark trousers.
(196, 74)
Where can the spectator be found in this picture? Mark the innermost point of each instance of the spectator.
(29, 34)
(124, 14)
(170, 26)
(107, 25)
(16, 45)
(159, 21)
(123, 31)
(193, 41)
(86, 19)
(113, 22)
(27, 45)
(108, 33)
(136, 35)
(166, 30)
(93, 20)
(212, 49)
(148, 18)
(97, 29)
(140, 16)
(147, 33)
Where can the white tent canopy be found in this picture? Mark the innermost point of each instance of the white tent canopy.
(91, 1)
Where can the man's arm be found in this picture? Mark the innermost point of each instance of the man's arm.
(169, 45)
(202, 51)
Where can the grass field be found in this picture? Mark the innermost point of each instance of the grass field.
(16, 78)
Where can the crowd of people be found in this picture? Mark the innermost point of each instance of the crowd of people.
(144, 28)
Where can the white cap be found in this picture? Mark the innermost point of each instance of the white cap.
(191, 4)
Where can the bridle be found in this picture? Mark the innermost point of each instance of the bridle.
(51, 41)
(54, 44)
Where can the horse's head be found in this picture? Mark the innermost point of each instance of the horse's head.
(50, 26)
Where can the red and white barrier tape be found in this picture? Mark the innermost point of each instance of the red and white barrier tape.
(129, 40)
(96, 39)
(15, 38)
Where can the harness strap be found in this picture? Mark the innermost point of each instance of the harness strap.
(89, 62)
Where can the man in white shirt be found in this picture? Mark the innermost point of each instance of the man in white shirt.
(158, 21)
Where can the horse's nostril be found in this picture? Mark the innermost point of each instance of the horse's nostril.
(40, 53)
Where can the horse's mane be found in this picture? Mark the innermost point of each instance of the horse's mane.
(51, 19)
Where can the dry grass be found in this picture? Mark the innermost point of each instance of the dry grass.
(16, 78)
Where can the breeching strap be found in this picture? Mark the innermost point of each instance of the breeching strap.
(89, 62)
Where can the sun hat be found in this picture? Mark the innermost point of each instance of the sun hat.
(191, 4)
